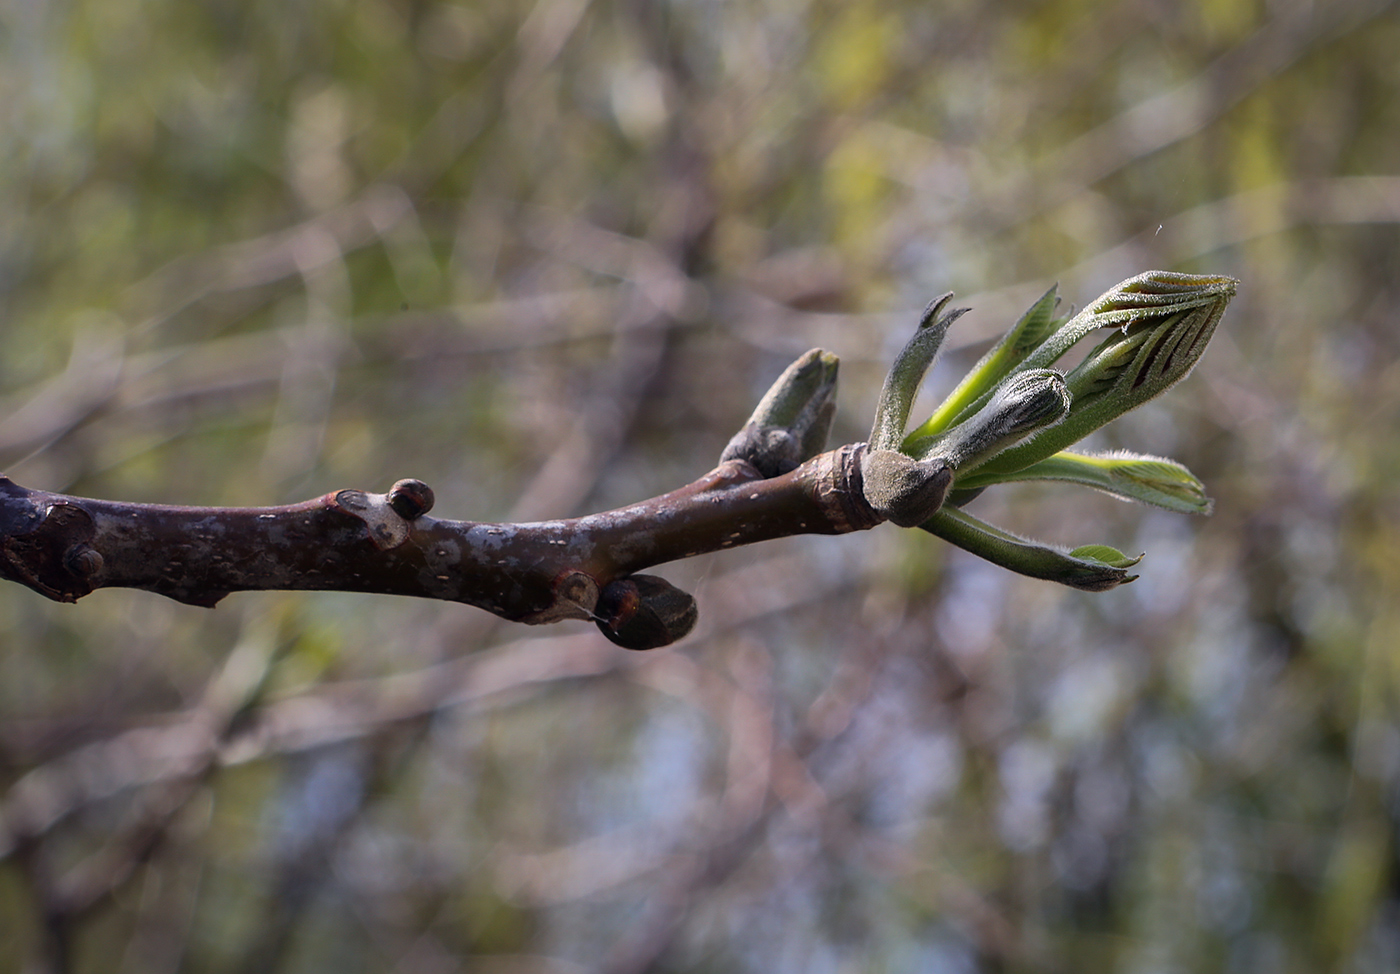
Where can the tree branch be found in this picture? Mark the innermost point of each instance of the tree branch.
(1012, 416)
(65, 547)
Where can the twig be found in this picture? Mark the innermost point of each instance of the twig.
(65, 547)
(1011, 418)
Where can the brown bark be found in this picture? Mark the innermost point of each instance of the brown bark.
(582, 568)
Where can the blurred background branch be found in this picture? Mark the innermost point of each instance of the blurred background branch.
(546, 256)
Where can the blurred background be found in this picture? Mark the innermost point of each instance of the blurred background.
(546, 256)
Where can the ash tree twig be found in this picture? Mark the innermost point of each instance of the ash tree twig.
(1010, 419)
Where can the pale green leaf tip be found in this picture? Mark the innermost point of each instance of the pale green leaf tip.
(1105, 555)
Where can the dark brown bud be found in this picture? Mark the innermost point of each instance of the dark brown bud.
(83, 561)
(411, 499)
(645, 612)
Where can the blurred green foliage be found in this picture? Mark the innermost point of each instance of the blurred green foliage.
(546, 256)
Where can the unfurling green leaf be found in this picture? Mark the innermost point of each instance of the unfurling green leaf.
(1152, 296)
(1012, 417)
(1015, 345)
(1163, 333)
(907, 374)
(1092, 568)
(1130, 476)
(1022, 405)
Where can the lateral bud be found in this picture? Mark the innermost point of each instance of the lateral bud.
(411, 499)
(791, 423)
(645, 612)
